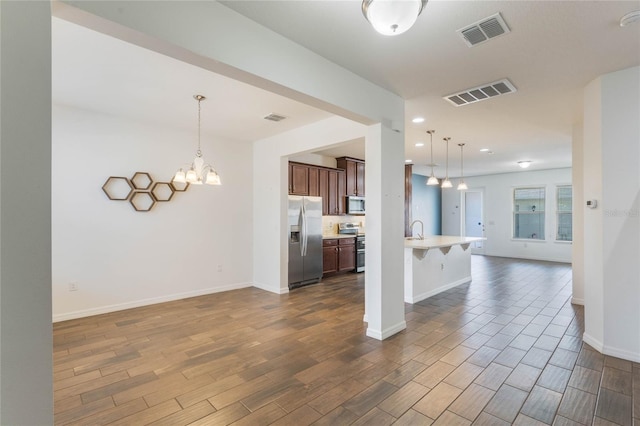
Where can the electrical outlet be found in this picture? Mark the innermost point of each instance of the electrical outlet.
(73, 286)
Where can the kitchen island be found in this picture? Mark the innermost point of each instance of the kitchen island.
(435, 264)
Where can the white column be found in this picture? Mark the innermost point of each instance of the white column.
(26, 394)
(384, 281)
(612, 230)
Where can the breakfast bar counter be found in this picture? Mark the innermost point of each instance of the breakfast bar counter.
(435, 264)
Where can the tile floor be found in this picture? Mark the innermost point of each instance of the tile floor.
(504, 349)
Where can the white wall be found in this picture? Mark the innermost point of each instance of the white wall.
(612, 231)
(498, 216)
(199, 242)
(315, 159)
(426, 205)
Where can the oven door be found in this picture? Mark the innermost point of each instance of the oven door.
(360, 254)
(360, 261)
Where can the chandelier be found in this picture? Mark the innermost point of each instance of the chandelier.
(198, 172)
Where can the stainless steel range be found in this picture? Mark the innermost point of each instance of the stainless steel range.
(354, 229)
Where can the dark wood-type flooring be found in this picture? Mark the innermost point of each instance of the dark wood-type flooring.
(505, 349)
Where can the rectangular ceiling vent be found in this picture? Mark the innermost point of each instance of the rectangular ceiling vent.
(481, 93)
(484, 30)
(274, 117)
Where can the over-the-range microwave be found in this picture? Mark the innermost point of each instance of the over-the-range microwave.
(354, 205)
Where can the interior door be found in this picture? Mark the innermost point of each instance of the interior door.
(473, 220)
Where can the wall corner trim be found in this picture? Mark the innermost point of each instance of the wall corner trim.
(388, 332)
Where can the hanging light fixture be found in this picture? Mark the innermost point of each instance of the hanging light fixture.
(198, 172)
(392, 17)
(432, 179)
(446, 183)
(462, 185)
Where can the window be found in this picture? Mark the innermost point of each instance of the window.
(528, 213)
(564, 214)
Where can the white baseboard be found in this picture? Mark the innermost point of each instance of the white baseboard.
(143, 302)
(540, 258)
(593, 342)
(576, 301)
(620, 353)
(271, 289)
(364, 318)
(387, 332)
(609, 350)
(440, 289)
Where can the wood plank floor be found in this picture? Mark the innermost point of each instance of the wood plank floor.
(504, 349)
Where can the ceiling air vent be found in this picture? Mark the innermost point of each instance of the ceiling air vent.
(481, 93)
(483, 30)
(274, 117)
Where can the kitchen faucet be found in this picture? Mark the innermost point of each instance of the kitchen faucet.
(421, 234)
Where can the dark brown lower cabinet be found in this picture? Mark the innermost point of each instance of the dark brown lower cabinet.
(338, 255)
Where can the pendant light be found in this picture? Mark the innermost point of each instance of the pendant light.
(462, 185)
(446, 183)
(199, 172)
(432, 179)
(392, 17)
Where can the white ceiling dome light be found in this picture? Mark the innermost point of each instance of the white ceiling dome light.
(630, 18)
(392, 17)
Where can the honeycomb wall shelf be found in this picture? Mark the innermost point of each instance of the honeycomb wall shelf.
(162, 191)
(141, 180)
(179, 186)
(141, 191)
(118, 188)
(142, 201)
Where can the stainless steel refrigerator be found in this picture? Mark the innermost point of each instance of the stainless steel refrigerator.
(305, 240)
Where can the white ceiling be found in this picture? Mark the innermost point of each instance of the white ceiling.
(553, 50)
(100, 73)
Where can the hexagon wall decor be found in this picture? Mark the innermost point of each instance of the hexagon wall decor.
(141, 180)
(117, 188)
(162, 191)
(142, 201)
(179, 186)
(141, 191)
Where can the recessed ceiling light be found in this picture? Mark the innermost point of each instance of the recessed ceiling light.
(419, 144)
(408, 161)
(418, 120)
(484, 150)
(524, 164)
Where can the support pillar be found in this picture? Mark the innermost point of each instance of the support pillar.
(26, 372)
(384, 281)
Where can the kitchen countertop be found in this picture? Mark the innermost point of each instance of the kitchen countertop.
(437, 241)
(337, 236)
